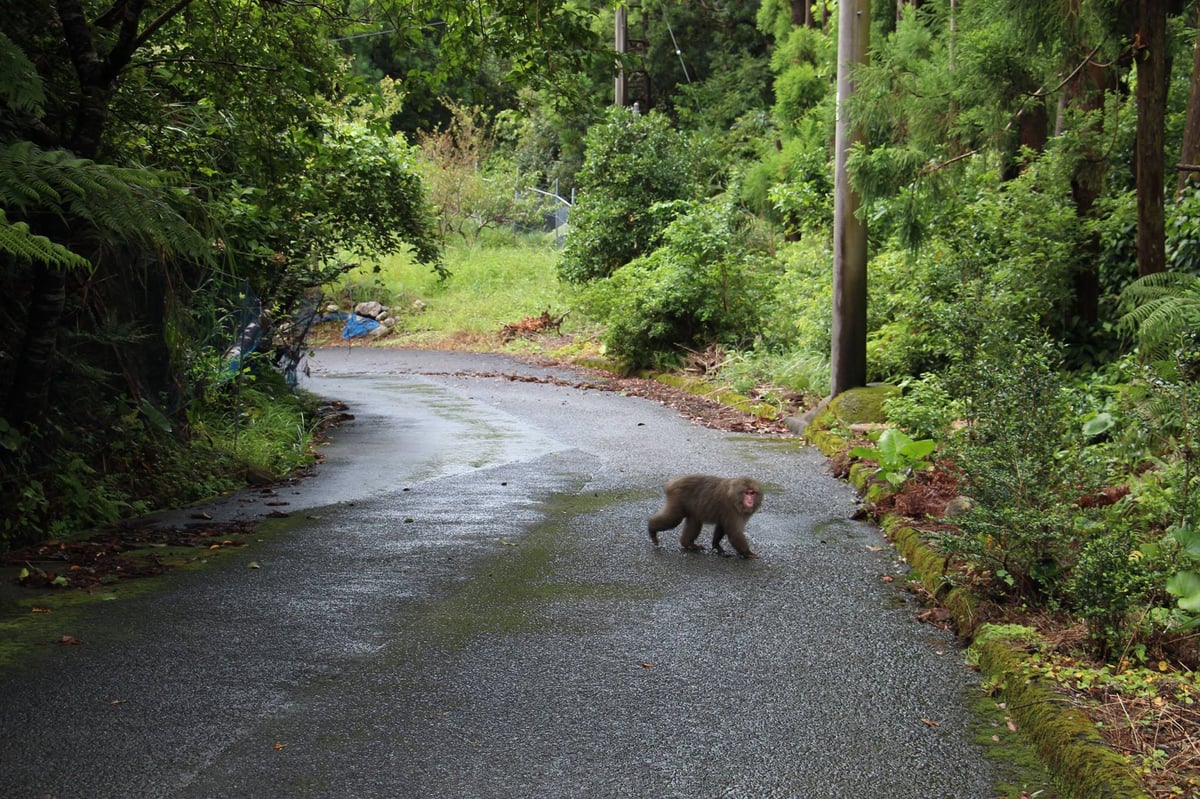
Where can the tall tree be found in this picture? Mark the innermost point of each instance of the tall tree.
(1150, 49)
(1189, 168)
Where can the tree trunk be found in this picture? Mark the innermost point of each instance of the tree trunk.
(1190, 155)
(801, 13)
(848, 356)
(34, 371)
(1150, 52)
(1085, 92)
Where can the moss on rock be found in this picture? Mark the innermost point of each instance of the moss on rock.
(1083, 764)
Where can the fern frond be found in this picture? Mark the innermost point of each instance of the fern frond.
(1166, 311)
(20, 84)
(17, 240)
(122, 204)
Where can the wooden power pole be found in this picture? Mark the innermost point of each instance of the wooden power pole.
(619, 90)
(848, 354)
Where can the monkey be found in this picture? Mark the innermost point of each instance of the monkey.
(727, 502)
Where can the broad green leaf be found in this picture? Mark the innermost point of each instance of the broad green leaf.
(1188, 538)
(918, 450)
(1186, 586)
(1100, 423)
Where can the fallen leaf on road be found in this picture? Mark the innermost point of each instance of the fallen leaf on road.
(930, 723)
(648, 665)
(40, 609)
(277, 747)
(69, 640)
(253, 565)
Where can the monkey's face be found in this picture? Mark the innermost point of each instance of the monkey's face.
(750, 497)
(750, 500)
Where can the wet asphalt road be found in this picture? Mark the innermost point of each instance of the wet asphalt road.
(463, 602)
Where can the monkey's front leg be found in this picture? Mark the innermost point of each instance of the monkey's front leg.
(718, 534)
(738, 539)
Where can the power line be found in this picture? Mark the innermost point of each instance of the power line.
(678, 52)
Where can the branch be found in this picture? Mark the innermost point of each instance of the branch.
(1086, 60)
(161, 20)
(929, 169)
(148, 62)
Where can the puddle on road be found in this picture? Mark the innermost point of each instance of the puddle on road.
(407, 430)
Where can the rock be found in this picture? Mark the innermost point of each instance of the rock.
(957, 507)
(371, 309)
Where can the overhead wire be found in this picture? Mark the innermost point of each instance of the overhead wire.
(675, 43)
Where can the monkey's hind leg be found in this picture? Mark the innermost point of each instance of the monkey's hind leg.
(662, 521)
(691, 531)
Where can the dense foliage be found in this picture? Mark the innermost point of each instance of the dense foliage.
(177, 183)
(635, 165)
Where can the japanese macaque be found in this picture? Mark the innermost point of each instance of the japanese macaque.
(727, 502)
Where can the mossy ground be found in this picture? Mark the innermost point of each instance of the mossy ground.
(34, 619)
(510, 587)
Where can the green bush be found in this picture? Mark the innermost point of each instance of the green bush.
(792, 182)
(1109, 581)
(1001, 260)
(632, 162)
(698, 288)
(923, 407)
(804, 68)
(801, 314)
(1021, 465)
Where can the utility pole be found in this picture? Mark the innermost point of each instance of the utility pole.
(848, 354)
(619, 90)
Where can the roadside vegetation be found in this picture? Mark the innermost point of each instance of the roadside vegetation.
(177, 223)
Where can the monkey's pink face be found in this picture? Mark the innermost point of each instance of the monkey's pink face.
(749, 497)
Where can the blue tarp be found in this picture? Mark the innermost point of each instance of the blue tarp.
(357, 326)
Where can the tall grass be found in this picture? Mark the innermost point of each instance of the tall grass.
(498, 281)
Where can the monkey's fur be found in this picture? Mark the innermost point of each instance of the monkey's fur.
(727, 502)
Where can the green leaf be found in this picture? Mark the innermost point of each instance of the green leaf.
(1186, 586)
(892, 443)
(1100, 423)
(918, 450)
(155, 416)
(1188, 538)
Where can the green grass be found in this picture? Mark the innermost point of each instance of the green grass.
(497, 282)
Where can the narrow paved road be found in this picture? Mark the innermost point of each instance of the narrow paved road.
(463, 602)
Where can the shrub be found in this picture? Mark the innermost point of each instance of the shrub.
(698, 288)
(1020, 465)
(801, 317)
(632, 162)
(1110, 579)
(923, 407)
